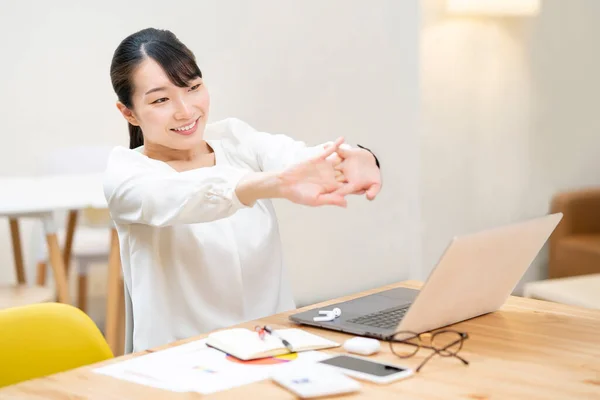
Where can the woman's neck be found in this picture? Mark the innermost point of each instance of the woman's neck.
(182, 160)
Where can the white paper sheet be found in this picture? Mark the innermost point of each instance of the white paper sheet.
(194, 367)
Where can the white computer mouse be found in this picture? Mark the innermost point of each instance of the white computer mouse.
(362, 345)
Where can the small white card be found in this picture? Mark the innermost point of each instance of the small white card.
(309, 380)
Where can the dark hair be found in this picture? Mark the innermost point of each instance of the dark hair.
(178, 62)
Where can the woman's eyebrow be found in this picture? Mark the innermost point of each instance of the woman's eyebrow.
(158, 89)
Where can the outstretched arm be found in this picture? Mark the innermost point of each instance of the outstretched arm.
(142, 191)
(137, 193)
(313, 182)
(357, 167)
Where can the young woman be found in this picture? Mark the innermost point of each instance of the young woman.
(199, 239)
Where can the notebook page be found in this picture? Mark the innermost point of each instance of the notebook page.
(300, 339)
(247, 341)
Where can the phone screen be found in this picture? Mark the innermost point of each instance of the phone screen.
(358, 365)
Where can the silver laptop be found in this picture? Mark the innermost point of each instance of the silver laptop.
(475, 276)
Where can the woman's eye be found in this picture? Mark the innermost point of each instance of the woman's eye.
(195, 86)
(161, 100)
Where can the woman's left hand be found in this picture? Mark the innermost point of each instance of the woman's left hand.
(359, 171)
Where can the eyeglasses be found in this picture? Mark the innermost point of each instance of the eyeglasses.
(445, 343)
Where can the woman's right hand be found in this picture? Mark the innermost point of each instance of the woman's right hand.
(315, 181)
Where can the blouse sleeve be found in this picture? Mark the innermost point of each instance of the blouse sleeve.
(140, 193)
(272, 152)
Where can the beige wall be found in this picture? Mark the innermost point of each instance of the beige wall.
(312, 69)
(508, 117)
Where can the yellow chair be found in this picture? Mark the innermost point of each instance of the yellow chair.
(46, 338)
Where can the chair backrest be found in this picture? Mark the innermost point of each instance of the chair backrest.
(42, 339)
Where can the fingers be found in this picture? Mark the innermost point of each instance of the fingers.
(332, 149)
(336, 195)
(332, 199)
(344, 151)
(333, 187)
(347, 189)
(373, 191)
(335, 160)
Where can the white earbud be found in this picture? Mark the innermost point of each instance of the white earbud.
(325, 318)
(328, 315)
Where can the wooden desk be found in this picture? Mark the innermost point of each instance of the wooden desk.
(528, 350)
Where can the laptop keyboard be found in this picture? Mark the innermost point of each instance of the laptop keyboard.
(382, 319)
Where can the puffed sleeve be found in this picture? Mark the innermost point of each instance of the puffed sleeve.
(139, 191)
(270, 151)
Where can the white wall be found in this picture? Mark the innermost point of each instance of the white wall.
(507, 111)
(311, 69)
(508, 117)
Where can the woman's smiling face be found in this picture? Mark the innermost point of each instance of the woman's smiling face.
(169, 116)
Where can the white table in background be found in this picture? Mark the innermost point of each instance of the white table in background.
(39, 197)
(580, 291)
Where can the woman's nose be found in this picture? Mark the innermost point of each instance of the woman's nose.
(183, 111)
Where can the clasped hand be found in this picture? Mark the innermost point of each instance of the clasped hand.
(332, 175)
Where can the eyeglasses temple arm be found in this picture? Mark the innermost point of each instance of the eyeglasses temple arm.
(461, 359)
(426, 359)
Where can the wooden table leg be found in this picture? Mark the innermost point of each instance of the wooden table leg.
(17, 250)
(41, 273)
(56, 260)
(82, 285)
(114, 297)
(82, 281)
(71, 223)
(67, 251)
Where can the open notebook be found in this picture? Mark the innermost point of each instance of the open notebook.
(247, 345)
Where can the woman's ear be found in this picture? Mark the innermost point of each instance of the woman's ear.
(127, 114)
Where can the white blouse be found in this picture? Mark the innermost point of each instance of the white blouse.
(194, 257)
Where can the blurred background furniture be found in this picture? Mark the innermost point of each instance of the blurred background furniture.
(574, 259)
(582, 290)
(43, 197)
(20, 293)
(575, 244)
(92, 242)
(42, 339)
(89, 236)
(20, 199)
